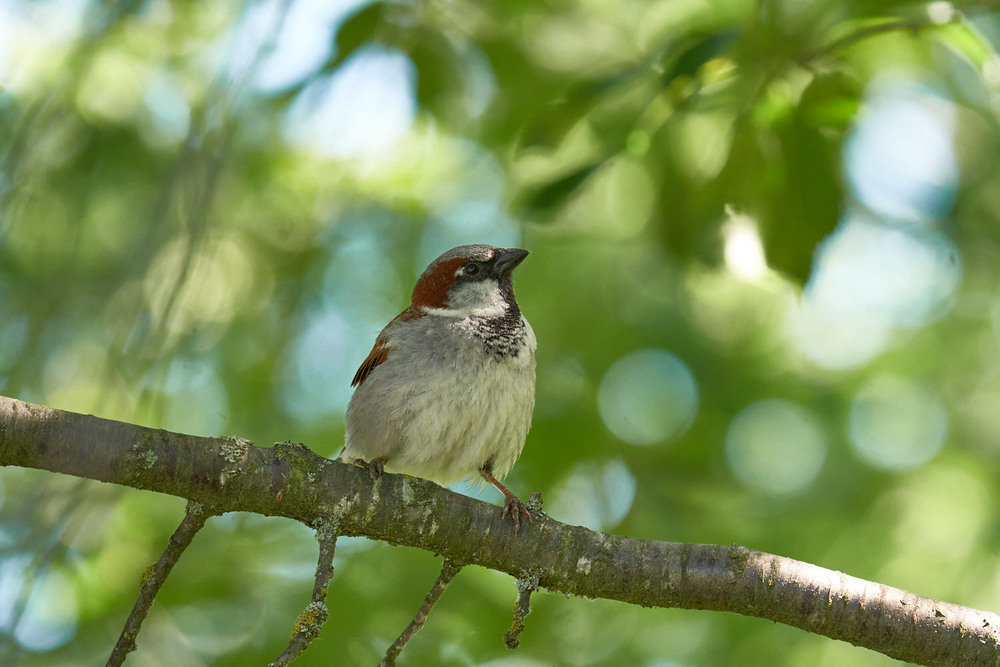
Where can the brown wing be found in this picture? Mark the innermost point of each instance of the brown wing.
(380, 352)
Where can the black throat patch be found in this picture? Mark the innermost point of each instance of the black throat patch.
(503, 336)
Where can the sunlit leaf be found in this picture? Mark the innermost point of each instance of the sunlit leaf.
(966, 39)
(686, 57)
(831, 101)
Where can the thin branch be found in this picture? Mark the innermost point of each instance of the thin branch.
(288, 480)
(448, 571)
(312, 618)
(153, 578)
(860, 34)
(525, 587)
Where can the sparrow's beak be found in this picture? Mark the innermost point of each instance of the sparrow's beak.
(507, 259)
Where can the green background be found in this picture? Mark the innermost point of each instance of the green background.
(209, 210)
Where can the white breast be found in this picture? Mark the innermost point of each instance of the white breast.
(441, 406)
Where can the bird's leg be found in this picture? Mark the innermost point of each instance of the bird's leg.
(511, 504)
(375, 467)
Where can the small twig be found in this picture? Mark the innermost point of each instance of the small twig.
(534, 503)
(862, 34)
(312, 618)
(448, 571)
(152, 579)
(525, 587)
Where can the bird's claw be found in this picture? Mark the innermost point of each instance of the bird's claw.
(516, 509)
(375, 467)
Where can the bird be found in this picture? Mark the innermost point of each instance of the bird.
(448, 389)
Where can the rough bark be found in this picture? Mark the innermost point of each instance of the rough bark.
(231, 474)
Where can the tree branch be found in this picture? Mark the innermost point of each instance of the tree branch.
(864, 33)
(154, 577)
(312, 618)
(525, 587)
(288, 480)
(448, 572)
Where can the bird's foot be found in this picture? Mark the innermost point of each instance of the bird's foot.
(512, 505)
(375, 467)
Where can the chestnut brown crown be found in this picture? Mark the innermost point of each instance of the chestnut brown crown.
(464, 278)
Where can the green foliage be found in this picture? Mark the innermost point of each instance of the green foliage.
(180, 247)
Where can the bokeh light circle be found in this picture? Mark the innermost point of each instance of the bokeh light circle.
(776, 446)
(51, 613)
(871, 279)
(647, 397)
(900, 158)
(594, 494)
(897, 425)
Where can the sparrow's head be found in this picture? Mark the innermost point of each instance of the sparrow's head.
(469, 279)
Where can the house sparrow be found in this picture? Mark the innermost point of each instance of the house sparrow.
(447, 391)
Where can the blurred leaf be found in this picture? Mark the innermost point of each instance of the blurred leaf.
(967, 40)
(577, 100)
(362, 28)
(544, 198)
(801, 214)
(368, 25)
(859, 29)
(685, 57)
(831, 101)
(439, 72)
(524, 87)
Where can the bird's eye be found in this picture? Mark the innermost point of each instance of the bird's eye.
(472, 268)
